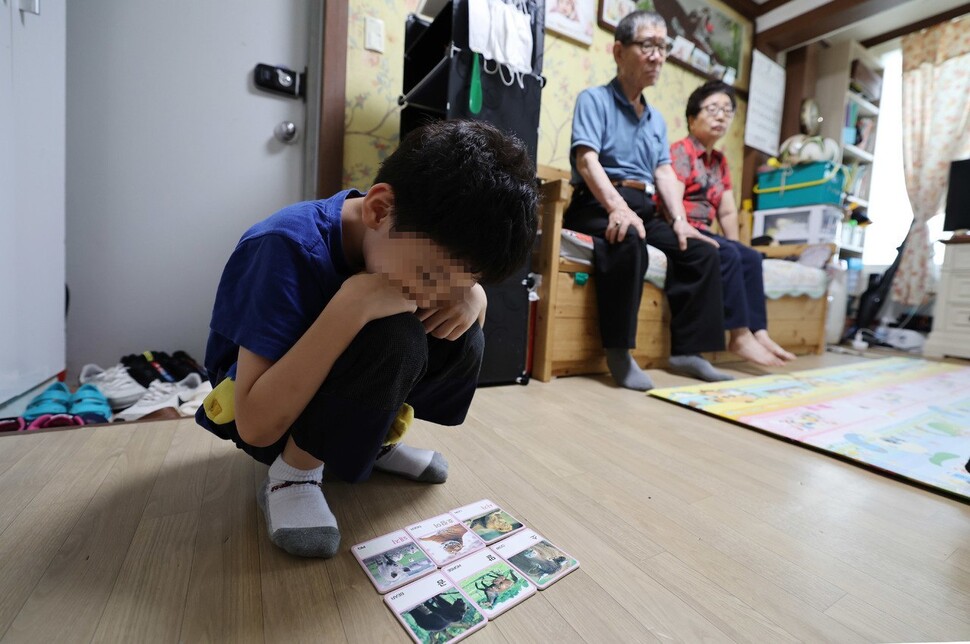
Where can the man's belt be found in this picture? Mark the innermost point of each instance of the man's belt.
(634, 184)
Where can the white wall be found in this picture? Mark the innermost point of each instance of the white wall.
(170, 157)
(32, 106)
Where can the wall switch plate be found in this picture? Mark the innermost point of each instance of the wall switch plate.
(374, 34)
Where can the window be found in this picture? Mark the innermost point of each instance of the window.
(889, 206)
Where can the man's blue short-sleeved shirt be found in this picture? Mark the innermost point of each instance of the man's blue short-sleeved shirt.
(281, 275)
(629, 146)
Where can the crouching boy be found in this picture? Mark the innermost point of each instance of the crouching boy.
(337, 321)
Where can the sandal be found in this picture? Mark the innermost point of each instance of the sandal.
(15, 424)
(90, 404)
(55, 420)
(53, 400)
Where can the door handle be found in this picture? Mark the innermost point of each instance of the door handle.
(286, 132)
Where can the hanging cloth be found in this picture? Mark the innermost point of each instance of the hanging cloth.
(502, 33)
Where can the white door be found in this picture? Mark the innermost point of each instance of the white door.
(31, 194)
(171, 155)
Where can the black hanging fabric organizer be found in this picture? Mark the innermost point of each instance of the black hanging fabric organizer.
(437, 76)
(437, 79)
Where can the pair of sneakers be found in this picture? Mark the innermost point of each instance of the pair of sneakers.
(179, 395)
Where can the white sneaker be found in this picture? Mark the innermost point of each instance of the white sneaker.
(160, 395)
(192, 400)
(116, 384)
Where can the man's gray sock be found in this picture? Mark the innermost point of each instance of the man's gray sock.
(625, 371)
(298, 518)
(696, 367)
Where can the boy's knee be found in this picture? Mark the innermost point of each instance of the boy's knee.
(474, 343)
(398, 340)
(398, 337)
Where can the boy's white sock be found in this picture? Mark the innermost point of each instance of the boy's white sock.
(297, 515)
(423, 465)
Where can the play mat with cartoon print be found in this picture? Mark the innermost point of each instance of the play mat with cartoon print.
(900, 415)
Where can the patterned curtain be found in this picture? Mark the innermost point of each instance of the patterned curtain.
(936, 130)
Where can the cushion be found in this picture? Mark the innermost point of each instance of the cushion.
(782, 278)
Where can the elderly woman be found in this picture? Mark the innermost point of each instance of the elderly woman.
(703, 171)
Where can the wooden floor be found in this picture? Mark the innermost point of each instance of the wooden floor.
(687, 528)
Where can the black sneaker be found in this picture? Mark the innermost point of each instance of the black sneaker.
(145, 368)
(180, 364)
(174, 368)
(182, 356)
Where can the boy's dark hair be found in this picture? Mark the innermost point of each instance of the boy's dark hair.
(471, 189)
(709, 88)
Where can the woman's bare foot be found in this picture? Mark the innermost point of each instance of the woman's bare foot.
(744, 344)
(769, 344)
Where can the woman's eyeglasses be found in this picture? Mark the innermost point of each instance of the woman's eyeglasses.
(648, 47)
(714, 110)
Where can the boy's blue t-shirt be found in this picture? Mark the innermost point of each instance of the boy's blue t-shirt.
(281, 275)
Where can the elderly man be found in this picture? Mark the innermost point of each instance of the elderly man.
(620, 156)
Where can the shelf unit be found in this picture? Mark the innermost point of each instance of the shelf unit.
(436, 86)
(850, 118)
(438, 69)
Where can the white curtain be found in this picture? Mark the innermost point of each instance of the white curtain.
(936, 130)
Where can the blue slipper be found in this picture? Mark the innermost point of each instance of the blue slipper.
(53, 400)
(90, 404)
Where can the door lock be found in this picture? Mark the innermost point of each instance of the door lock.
(280, 80)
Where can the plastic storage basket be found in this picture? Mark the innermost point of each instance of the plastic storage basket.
(801, 185)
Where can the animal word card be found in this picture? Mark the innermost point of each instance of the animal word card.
(541, 561)
(433, 609)
(488, 520)
(445, 538)
(490, 582)
(393, 560)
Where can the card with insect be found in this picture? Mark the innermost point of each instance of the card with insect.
(534, 556)
(393, 560)
(433, 610)
(488, 520)
(490, 582)
(445, 538)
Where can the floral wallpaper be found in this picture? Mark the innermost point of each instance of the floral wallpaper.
(371, 118)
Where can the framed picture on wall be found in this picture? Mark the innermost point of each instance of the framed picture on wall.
(708, 37)
(573, 19)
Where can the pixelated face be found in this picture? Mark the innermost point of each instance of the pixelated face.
(425, 272)
(633, 63)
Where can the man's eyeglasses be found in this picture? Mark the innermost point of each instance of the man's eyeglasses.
(648, 47)
(714, 110)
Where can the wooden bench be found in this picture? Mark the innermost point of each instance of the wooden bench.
(567, 340)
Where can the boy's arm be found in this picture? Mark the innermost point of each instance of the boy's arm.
(451, 322)
(269, 396)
